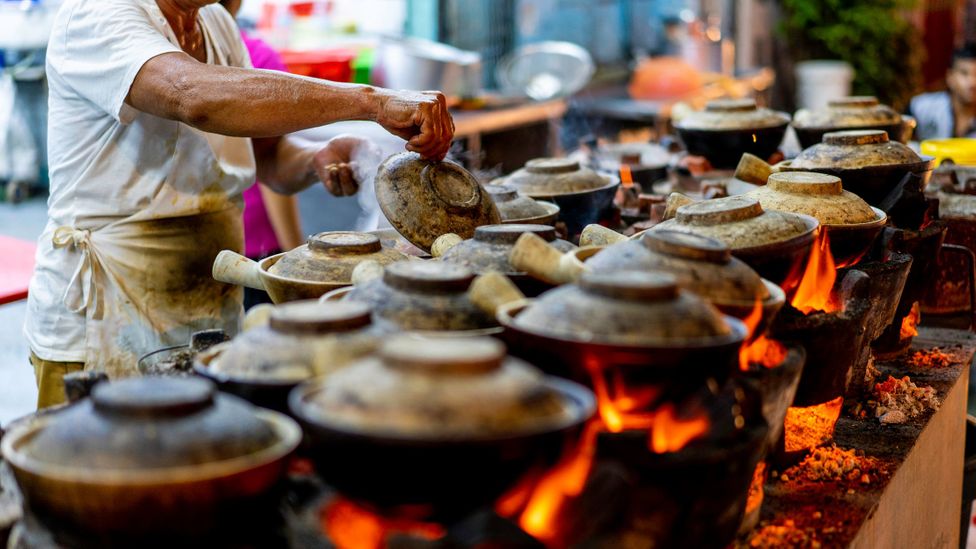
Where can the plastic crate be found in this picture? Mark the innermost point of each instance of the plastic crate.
(334, 65)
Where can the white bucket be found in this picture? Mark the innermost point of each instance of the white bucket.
(818, 82)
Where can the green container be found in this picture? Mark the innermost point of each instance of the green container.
(362, 66)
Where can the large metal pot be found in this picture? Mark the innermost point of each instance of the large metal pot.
(436, 428)
(146, 460)
(417, 64)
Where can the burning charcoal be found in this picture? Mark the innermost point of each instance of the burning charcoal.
(902, 395)
(483, 529)
(831, 463)
(906, 204)
(932, 358)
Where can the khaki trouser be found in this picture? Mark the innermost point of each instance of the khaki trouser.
(50, 379)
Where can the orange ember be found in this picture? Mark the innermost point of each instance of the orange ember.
(807, 428)
(759, 349)
(813, 292)
(671, 433)
(350, 526)
(909, 324)
(626, 177)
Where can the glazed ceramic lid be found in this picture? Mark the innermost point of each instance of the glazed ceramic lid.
(854, 149)
(303, 339)
(423, 295)
(513, 206)
(331, 257)
(738, 221)
(555, 176)
(815, 194)
(847, 112)
(623, 308)
(424, 199)
(733, 114)
(492, 244)
(700, 264)
(438, 389)
(150, 423)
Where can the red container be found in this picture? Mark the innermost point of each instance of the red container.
(334, 64)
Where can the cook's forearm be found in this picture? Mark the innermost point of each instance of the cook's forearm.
(247, 103)
(285, 164)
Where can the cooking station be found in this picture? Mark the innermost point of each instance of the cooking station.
(517, 365)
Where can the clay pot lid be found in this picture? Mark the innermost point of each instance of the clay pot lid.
(428, 276)
(151, 423)
(633, 308)
(424, 199)
(738, 221)
(342, 243)
(514, 207)
(421, 388)
(848, 112)
(700, 264)
(313, 317)
(733, 114)
(854, 149)
(555, 176)
(815, 194)
(687, 246)
(331, 256)
(509, 233)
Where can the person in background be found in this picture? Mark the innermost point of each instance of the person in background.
(950, 113)
(272, 223)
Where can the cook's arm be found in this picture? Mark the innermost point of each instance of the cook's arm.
(290, 163)
(257, 103)
(285, 220)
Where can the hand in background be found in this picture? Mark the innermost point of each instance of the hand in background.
(421, 118)
(334, 164)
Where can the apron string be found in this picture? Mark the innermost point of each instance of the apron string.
(80, 293)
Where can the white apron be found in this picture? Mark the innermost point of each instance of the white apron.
(144, 281)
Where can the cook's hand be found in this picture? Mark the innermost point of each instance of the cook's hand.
(334, 165)
(421, 118)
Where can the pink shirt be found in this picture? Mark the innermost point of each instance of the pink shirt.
(259, 236)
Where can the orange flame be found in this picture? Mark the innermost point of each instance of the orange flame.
(909, 324)
(759, 349)
(543, 498)
(626, 177)
(350, 526)
(807, 428)
(813, 292)
(671, 433)
(756, 491)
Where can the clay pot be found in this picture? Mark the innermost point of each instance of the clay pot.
(438, 426)
(518, 209)
(147, 459)
(851, 113)
(583, 196)
(851, 224)
(301, 340)
(424, 199)
(775, 244)
(490, 248)
(865, 160)
(701, 265)
(728, 128)
(637, 325)
(647, 162)
(324, 263)
(427, 296)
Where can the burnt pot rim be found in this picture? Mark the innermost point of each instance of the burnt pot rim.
(267, 262)
(579, 400)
